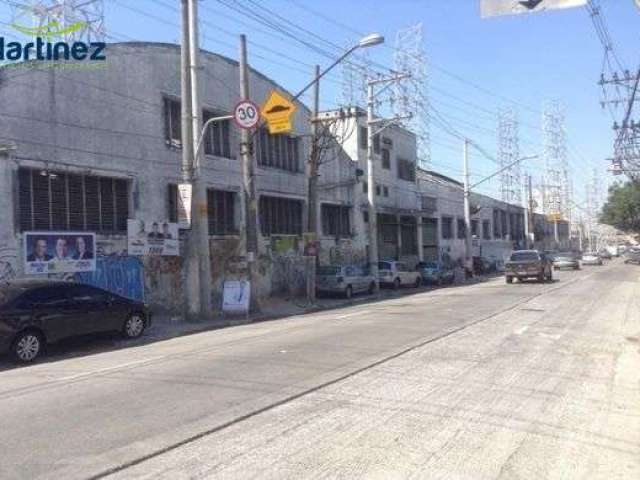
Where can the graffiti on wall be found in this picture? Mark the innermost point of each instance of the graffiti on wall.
(120, 274)
(8, 257)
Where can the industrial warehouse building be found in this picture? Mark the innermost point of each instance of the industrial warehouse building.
(93, 148)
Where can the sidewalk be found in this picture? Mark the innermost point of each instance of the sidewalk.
(169, 326)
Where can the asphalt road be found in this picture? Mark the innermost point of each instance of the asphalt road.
(482, 381)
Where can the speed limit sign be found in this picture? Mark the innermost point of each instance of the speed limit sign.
(246, 114)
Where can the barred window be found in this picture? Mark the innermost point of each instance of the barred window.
(364, 137)
(336, 220)
(474, 228)
(172, 202)
(221, 212)
(406, 170)
(217, 138)
(386, 159)
(447, 228)
(409, 235)
(278, 151)
(280, 215)
(172, 122)
(462, 229)
(51, 200)
(486, 229)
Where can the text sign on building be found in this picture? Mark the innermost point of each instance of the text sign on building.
(184, 206)
(494, 8)
(246, 114)
(277, 112)
(235, 296)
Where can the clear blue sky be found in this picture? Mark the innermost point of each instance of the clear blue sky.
(526, 59)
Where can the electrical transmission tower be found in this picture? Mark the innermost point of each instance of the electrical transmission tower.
(508, 154)
(557, 185)
(412, 96)
(59, 15)
(354, 79)
(593, 204)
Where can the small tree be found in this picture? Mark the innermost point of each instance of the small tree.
(622, 209)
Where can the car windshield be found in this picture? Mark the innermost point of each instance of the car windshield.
(328, 270)
(384, 265)
(523, 256)
(565, 256)
(429, 265)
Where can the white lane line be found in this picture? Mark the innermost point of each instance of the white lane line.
(349, 315)
(521, 330)
(107, 369)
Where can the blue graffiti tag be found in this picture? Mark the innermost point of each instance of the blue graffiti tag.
(118, 274)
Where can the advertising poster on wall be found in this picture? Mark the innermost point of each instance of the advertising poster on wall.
(152, 238)
(59, 252)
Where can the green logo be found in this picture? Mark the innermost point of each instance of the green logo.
(50, 31)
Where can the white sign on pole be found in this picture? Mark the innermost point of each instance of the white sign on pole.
(184, 206)
(494, 8)
(246, 114)
(152, 238)
(235, 296)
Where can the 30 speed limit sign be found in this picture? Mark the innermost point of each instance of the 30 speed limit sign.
(246, 114)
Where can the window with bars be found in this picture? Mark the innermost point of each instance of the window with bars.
(221, 207)
(386, 159)
(278, 151)
(364, 137)
(336, 221)
(447, 228)
(50, 200)
(376, 143)
(172, 122)
(406, 170)
(486, 229)
(217, 137)
(474, 228)
(409, 235)
(280, 216)
(496, 223)
(172, 202)
(462, 229)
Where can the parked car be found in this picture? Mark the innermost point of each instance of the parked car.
(604, 254)
(396, 274)
(36, 312)
(528, 264)
(566, 260)
(591, 258)
(344, 280)
(436, 273)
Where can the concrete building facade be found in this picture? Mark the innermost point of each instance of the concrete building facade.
(92, 148)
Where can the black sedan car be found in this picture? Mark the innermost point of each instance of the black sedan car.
(36, 312)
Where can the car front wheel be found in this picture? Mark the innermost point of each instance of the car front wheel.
(396, 284)
(27, 346)
(348, 292)
(134, 325)
(418, 282)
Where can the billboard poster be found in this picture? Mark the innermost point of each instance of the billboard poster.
(151, 237)
(59, 252)
(184, 205)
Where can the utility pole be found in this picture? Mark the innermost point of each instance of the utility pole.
(532, 228)
(313, 207)
(199, 209)
(371, 190)
(468, 263)
(192, 290)
(248, 175)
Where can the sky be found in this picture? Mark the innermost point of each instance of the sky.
(475, 66)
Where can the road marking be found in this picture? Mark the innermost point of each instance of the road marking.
(354, 314)
(521, 330)
(108, 369)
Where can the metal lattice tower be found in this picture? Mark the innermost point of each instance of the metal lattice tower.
(354, 77)
(42, 14)
(412, 95)
(508, 153)
(557, 190)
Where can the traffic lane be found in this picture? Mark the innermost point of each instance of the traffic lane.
(176, 388)
(548, 390)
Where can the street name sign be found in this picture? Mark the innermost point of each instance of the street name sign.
(246, 114)
(494, 8)
(277, 112)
